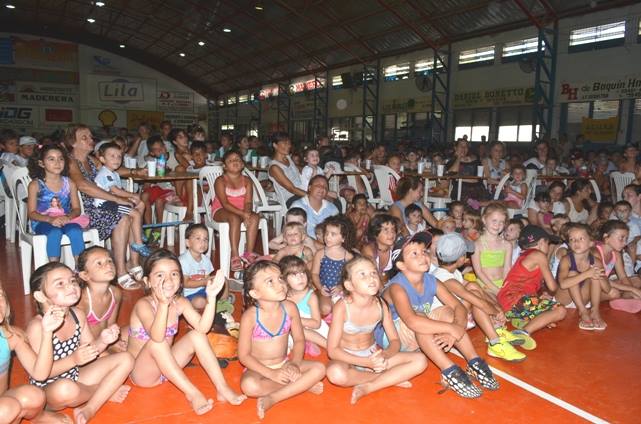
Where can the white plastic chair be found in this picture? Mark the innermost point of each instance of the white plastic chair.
(208, 175)
(36, 245)
(351, 180)
(383, 174)
(263, 205)
(8, 205)
(618, 181)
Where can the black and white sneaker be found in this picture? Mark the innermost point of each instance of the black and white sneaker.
(458, 381)
(482, 372)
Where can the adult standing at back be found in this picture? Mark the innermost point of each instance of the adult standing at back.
(538, 162)
(315, 205)
(283, 172)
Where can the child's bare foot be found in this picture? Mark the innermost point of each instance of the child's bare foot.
(263, 404)
(200, 404)
(82, 415)
(121, 394)
(317, 388)
(48, 417)
(358, 392)
(404, 385)
(226, 394)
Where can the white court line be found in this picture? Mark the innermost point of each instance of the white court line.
(544, 395)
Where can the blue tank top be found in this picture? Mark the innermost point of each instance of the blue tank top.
(5, 353)
(399, 205)
(331, 270)
(421, 302)
(46, 196)
(303, 306)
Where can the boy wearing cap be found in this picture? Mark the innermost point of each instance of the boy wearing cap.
(410, 294)
(25, 149)
(519, 297)
(451, 251)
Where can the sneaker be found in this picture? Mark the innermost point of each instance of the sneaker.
(142, 249)
(458, 381)
(504, 350)
(518, 322)
(509, 337)
(482, 372)
(528, 342)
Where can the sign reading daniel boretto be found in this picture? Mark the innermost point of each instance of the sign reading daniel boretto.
(494, 97)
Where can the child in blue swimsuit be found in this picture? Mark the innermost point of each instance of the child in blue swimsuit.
(328, 263)
(268, 320)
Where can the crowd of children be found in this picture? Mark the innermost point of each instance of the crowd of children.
(382, 292)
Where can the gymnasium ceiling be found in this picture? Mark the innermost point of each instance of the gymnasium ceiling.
(273, 40)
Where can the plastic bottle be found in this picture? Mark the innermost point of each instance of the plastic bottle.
(161, 163)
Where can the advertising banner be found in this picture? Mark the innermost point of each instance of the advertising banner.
(494, 97)
(182, 120)
(40, 52)
(18, 117)
(123, 92)
(600, 130)
(171, 101)
(416, 104)
(7, 91)
(136, 117)
(47, 94)
(628, 87)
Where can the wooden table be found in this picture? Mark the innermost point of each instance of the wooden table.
(170, 177)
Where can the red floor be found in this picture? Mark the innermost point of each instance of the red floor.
(596, 372)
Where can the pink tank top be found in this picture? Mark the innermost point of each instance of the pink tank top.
(235, 196)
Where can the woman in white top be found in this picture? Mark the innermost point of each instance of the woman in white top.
(283, 172)
(495, 166)
(580, 191)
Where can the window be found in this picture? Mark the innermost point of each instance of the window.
(397, 72)
(221, 102)
(231, 100)
(423, 66)
(337, 81)
(521, 47)
(227, 127)
(243, 98)
(476, 57)
(600, 36)
(475, 123)
(515, 124)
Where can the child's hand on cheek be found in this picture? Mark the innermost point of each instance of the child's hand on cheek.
(110, 334)
(159, 293)
(53, 319)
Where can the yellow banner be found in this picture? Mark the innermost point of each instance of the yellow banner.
(417, 104)
(136, 117)
(600, 130)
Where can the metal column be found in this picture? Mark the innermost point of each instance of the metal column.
(439, 113)
(320, 123)
(283, 105)
(544, 80)
(257, 108)
(371, 89)
(213, 121)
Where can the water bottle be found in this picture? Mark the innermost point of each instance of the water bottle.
(161, 164)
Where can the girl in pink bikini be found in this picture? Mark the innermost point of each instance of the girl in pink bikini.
(100, 300)
(625, 293)
(154, 324)
(271, 375)
(233, 204)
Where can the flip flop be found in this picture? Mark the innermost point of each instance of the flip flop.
(136, 272)
(586, 325)
(127, 283)
(631, 306)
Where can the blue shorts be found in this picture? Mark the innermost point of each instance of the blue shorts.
(202, 292)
